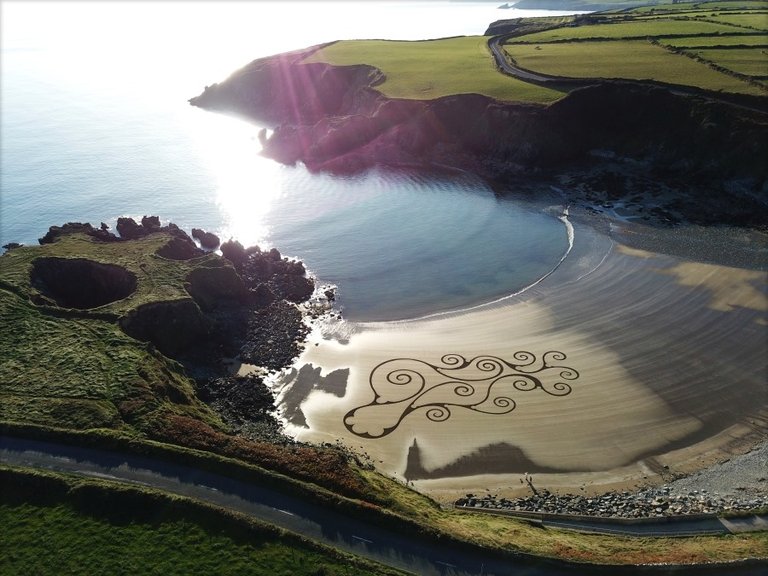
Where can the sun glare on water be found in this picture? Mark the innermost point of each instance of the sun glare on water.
(247, 185)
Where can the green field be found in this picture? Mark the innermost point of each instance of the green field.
(632, 29)
(747, 61)
(703, 6)
(580, 49)
(58, 540)
(628, 59)
(712, 41)
(434, 68)
(753, 20)
(630, 46)
(91, 527)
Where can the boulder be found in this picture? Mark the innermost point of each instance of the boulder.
(180, 248)
(129, 229)
(151, 223)
(233, 251)
(208, 240)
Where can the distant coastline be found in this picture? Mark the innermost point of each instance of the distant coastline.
(610, 144)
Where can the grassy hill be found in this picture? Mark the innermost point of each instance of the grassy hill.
(714, 46)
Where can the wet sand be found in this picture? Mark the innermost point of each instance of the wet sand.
(622, 368)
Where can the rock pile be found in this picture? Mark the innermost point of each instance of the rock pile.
(650, 503)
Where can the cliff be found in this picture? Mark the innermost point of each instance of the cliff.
(110, 327)
(332, 119)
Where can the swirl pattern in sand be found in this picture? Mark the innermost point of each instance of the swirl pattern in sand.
(484, 384)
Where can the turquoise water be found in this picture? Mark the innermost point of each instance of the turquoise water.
(95, 125)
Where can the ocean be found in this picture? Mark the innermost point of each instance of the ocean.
(96, 125)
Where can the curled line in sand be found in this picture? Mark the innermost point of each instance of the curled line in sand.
(482, 384)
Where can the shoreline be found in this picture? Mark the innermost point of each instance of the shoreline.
(664, 441)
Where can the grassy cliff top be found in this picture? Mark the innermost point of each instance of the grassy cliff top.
(434, 68)
(157, 278)
(651, 43)
(75, 368)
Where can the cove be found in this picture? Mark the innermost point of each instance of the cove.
(409, 244)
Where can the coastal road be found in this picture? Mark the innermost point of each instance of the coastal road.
(409, 552)
(496, 46)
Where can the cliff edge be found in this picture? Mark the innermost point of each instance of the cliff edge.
(602, 142)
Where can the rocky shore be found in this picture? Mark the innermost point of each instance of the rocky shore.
(652, 503)
(248, 304)
(738, 485)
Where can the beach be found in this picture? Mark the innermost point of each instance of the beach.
(623, 368)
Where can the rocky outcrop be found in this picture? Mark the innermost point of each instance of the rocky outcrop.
(208, 240)
(180, 248)
(172, 327)
(245, 403)
(341, 124)
(268, 276)
(678, 134)
(274, 91)
(212, 287)
(127, 228)
(55, 232)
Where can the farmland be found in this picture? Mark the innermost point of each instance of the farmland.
(434, 68)
(716, 46)
(656, 43)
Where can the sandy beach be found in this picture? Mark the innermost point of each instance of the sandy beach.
(623, 368)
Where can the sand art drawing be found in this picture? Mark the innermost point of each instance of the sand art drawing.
(483, 384)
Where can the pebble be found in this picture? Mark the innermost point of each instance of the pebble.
(654, 502)
(735, 485)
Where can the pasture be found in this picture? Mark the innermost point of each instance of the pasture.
(434, 68)
(629, 59)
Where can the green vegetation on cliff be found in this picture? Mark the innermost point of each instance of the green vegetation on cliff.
(646, 43)
(54, 524)
(76, 368)
(431, 69)
(656, 44)
(101, 332)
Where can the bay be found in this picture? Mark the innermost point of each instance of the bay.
(95, 125)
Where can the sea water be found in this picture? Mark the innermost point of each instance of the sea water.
(96, 125)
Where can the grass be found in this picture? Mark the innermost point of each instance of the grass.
(752, 20)
(77, 370)
(628, 59)
(630, 29)
(100, 510)
(435, 68)
(94, 527)
(617, 50)
(747, 61)
(703, 6)
(514, 535)
(711, 41)
(158, 278)
(85, 373)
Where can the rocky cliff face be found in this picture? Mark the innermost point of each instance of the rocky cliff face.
(279, 90)
(332, 119)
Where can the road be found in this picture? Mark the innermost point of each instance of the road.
(496, 46)
(409, 552)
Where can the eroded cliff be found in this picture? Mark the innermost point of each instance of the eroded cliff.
(612, 136)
